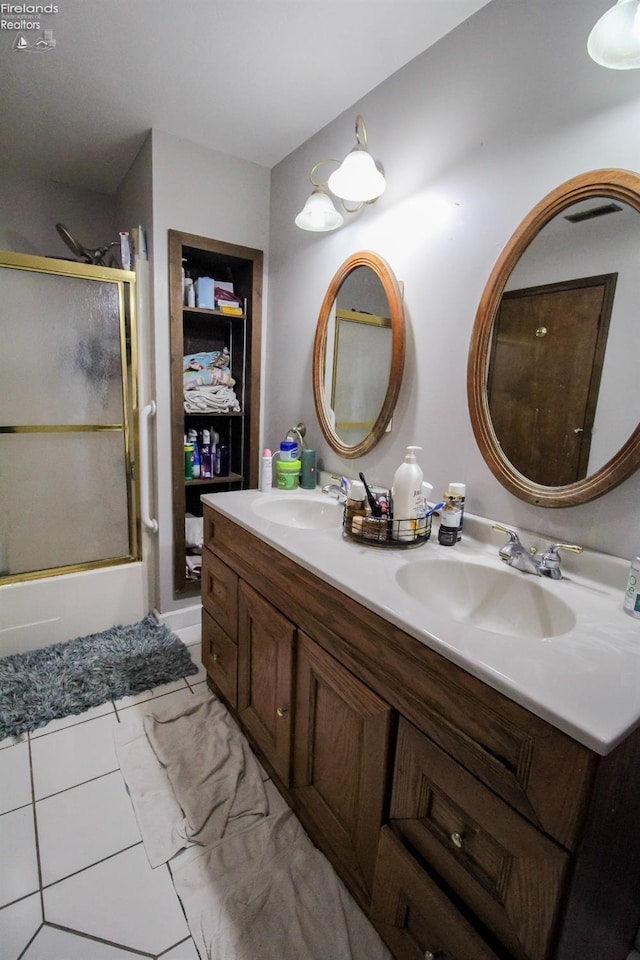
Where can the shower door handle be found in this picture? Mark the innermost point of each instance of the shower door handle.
(146, 414)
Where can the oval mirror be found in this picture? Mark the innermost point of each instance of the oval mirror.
(358, 354)
(552, 384)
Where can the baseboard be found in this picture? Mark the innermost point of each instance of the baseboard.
(177, 619)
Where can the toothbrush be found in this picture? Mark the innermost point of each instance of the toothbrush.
(373, 503)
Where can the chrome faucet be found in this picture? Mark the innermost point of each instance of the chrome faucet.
(515, 555)
(340, 491)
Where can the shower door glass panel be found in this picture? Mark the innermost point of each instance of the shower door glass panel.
(67, 500)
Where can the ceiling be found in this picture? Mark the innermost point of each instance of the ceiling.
(251, 78)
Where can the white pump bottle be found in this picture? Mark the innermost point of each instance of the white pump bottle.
(406, 492)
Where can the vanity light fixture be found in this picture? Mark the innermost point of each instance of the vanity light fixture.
(359, 179)
(614, 42)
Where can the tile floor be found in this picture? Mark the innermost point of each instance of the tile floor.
(75, 883)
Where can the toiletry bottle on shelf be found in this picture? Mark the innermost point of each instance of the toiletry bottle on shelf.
(632, 593)
(450, 517)
(223, 460)
(406, 491)
(266, 470)
(215, 454)
(205, 454)
(192, 438)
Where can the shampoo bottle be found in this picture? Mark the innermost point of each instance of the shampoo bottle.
(406, 493)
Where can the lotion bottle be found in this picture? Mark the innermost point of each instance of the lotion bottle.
(406, 492)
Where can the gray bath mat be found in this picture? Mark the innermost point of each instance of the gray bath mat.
(68, 678)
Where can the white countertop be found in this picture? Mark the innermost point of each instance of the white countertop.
(585, 681)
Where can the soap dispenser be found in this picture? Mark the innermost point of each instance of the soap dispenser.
(406, 493)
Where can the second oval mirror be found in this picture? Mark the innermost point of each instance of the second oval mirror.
(553, 389)
(358, 354)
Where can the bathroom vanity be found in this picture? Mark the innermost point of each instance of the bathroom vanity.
(477, 791)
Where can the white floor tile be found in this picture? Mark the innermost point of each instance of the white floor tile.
(125, 702)
(18, 924)
(63, 722)
(80, 826)
(12, 741)
(52, 944)
(198, 677)
(157, 705)
(19, 871)
(73, 755)
(15, 777)
(184, 951)
(121, 900)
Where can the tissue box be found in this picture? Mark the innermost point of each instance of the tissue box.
(204, 292)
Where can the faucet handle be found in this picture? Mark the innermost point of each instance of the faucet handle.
(513, 536)
(550, 559)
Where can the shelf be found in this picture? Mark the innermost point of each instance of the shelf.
(200, 330)
(212, 413)
(218, 314)
(202, 481)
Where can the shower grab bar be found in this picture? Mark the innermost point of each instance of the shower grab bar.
(146, 414)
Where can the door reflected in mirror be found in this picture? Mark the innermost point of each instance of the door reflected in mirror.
(553, 388)
(358, 354)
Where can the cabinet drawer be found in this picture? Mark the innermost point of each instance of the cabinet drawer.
(413, 915)
(220, 658)
(220, 593)
(499, 864)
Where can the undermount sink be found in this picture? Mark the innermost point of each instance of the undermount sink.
(494, 599)
(306, 513)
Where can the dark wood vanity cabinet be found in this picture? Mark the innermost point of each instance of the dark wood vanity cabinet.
(465, 826)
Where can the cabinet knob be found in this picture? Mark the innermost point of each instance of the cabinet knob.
(282, 710)
(214, 657)
(456, 840)
(430, 955)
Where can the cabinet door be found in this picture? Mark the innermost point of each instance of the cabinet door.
(220, 593)
(508, 872)
(265, 656)
(414, 916)
(340, 759)
(219, 658)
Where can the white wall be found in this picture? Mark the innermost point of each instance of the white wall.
(212, 195)
(489, 120)
(31, 208)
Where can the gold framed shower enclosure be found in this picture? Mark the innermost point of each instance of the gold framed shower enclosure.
(69, 498)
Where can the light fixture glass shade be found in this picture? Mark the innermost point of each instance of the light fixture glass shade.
(357, 179)
(614, 42)
(319, 214)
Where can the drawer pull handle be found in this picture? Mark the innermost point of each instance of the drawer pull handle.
(456, 840)
(430, 955)
(214, 657)
(282, 710)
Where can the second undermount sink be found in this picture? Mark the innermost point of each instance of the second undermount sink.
(494, 599)
(315, 512)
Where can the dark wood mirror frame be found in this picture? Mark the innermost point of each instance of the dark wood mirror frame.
(619, 185)
(380, 267)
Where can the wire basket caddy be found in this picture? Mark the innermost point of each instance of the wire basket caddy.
(385, 531)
